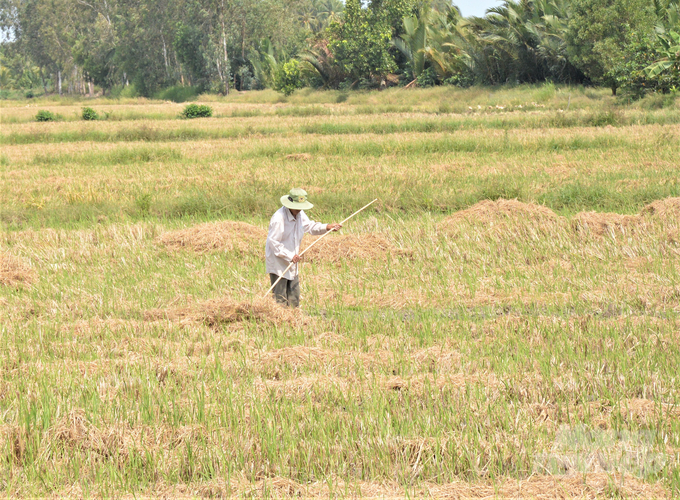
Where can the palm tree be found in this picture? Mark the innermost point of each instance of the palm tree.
(328, 10)
(448, 49)
(318, 60)
(264, 58)
(670, 60)
(522, 41)
(414, 40)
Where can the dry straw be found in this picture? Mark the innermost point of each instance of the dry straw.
(368, 246)
(14, 272)
(537, 486)
(503, 215)
(667, 209)
(599, 223)
(223, 311)
(215, 236)
(514, 216)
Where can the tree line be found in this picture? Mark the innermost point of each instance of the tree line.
(145, 46)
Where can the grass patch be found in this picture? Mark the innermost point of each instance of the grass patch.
(117, 156)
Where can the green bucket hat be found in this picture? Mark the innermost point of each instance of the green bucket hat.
(296, 200)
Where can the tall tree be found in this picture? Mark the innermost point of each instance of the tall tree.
(599, 33)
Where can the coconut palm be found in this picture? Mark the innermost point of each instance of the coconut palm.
(412, 43)
(448, 48)
(318, 61)
(521, 41)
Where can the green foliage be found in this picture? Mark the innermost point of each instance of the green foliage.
(427, 78)
(196, 111)
(94, 50)
(360, 43)
(288, 77)
(45, 116)
(89, 114)
(463, 79)
(143, 203)
(265, 61)
(178, 93)
(190, 45)
(667, 67)
(123, 91)
(639, 54)
(599, 32)
(413, 42)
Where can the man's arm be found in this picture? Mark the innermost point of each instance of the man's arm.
(317, 228)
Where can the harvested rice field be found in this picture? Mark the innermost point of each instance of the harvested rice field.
(503, 323)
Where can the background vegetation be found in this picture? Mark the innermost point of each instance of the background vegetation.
(176, 50)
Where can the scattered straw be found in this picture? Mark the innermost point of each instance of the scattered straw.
(585, 486)
(368, 246)
(223, 311)
(215, 236)
(603, 223)
(14, 272)
(536, 486)
(299, 157)
(448, 382)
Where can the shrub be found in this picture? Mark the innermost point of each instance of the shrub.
(45, 116)
(196, 111)
(288, 77)
(463, 79)
(427, 78)
(123, 91)
(178, 93)
(89, 114)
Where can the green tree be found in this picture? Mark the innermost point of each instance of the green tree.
(190, 45)
(288, 77)
(360, 42)
(599, 32)
(95, 52)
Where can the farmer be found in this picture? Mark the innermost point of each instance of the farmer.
(286, 229)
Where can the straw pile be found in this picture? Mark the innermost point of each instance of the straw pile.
(368, 246)
(14, 272)
(217, 312)
(502, 214)
(215, 236)
(664, 209)
(603, 223)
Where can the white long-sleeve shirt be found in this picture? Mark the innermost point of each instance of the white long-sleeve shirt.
(283, 241)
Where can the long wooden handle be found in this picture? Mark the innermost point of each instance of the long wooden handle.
(314, 243)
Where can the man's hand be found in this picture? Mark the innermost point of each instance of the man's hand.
(296, 258)
(333, 227)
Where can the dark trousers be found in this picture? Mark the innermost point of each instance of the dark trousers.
(286, 292)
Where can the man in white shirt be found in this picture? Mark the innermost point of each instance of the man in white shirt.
(286, 229)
